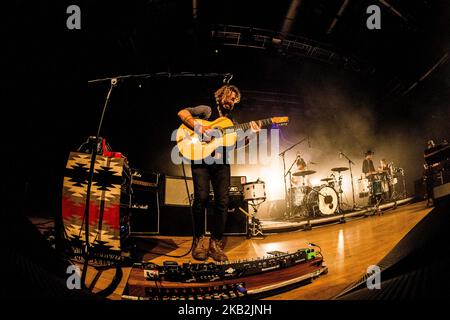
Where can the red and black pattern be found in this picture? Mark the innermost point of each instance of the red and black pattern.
(109, 200)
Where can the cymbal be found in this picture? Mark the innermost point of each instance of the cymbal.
(303, 173)
(339, 169)
(326, 179)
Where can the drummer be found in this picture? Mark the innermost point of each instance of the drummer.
(299, 181)
(368, 168)
(372, 175)
(384, 167)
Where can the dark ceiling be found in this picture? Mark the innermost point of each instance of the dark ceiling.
(160, 34)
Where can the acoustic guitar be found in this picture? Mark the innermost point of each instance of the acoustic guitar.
(194, 146)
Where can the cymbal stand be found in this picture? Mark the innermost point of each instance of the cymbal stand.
(394, 195)
(340, 191)
(350, 162)
(287, 199)
(404, 183)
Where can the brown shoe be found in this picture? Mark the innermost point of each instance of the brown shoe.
(216, 250)
(199, 248)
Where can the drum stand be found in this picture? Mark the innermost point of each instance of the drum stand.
(395, 195)
(350, 162)
(339, 192)
(402, 173)
(377, 206)
(254, 227)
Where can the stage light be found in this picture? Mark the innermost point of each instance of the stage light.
(316, 182)
(273, 178)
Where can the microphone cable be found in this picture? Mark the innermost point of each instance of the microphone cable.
(192, 219)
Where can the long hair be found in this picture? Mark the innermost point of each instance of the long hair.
(226, 90)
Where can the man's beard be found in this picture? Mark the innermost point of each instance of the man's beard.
(224, 111)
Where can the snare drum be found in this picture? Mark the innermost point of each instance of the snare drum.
(255, 191)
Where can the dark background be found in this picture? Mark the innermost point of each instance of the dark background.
(361, 102)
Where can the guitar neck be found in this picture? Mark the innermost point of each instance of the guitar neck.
(246, 125)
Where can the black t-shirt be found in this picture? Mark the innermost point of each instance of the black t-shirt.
(368, 166)
(207, 113)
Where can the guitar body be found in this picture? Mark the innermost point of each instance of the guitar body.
(193, 148)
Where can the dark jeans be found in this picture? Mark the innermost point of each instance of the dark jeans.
(219, 175)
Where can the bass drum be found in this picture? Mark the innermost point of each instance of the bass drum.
(323, 201)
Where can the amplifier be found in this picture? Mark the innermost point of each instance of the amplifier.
(441, 191)
(175, 189)
(145, 215)
(144, 180)
(237, 183)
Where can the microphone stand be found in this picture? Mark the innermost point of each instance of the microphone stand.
(226, 76)
(113, 83)
(287, 200)
(350, 162)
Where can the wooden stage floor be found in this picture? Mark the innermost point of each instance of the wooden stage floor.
(348, 248)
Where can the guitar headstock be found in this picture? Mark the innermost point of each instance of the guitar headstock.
(280, 120)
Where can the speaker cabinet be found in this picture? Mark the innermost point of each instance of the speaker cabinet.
(175, 193)
(144, 212)
(144, 217)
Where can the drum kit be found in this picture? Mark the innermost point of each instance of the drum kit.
(305, 201)
(383, 185)
(322, 200)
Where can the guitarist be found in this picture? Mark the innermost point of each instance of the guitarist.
(218, 173)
